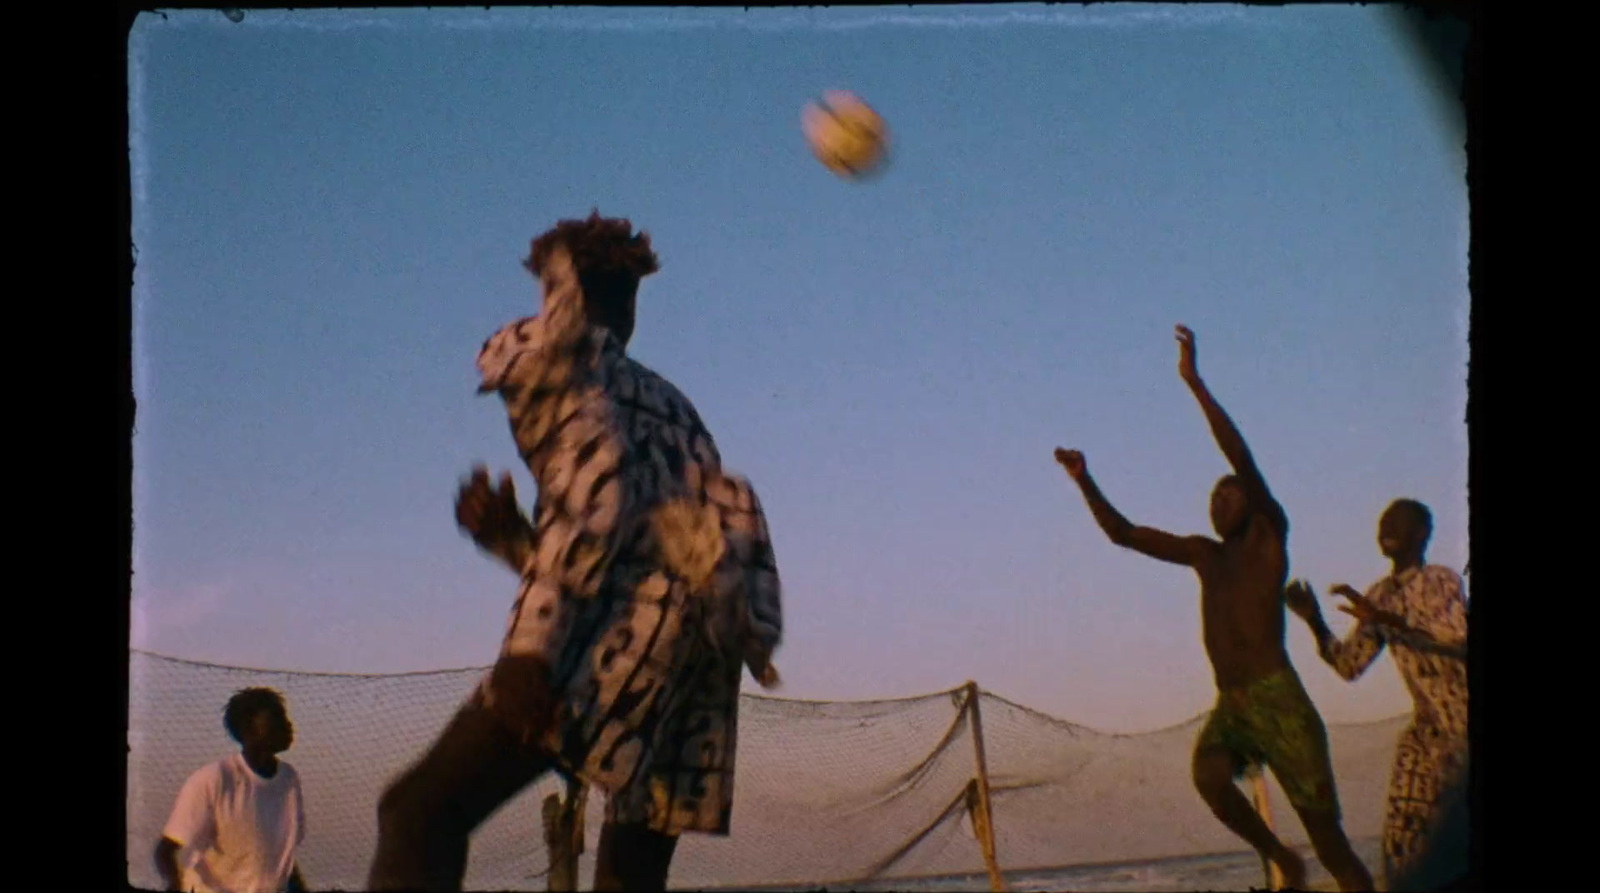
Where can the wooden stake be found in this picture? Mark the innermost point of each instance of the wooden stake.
(1263, 805)
(983, 816)
(563, 837)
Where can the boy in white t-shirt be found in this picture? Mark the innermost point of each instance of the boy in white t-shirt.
(237, 822)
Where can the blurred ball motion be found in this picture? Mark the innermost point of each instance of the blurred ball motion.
(846, 135)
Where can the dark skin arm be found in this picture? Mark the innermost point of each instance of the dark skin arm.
(167, 862)
(1227, 435)
(1158, 544)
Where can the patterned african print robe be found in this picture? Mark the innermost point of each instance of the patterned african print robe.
(648, 574)
(1433, 664)
(1431, 756)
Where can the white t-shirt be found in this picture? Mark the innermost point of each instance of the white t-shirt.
(239, 831)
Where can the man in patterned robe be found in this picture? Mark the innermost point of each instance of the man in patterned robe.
(648, 584)
(1420, 613)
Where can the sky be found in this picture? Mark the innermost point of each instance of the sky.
(331, 208)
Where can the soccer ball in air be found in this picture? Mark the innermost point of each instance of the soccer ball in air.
(845, 134)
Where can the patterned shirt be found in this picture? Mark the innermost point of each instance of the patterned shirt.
(648, 577)
(1431, 652)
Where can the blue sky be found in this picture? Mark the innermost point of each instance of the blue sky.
(331, 207)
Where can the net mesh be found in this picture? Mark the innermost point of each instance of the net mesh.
(827, 792)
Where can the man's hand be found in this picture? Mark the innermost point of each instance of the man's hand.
(1362, 608)
(484, 512)
(1187, 370)
(769, 678)
(1300, 598)
(1072, 461)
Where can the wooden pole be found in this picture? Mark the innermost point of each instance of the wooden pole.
(563, 835)
(983, 817)
(1263, 805)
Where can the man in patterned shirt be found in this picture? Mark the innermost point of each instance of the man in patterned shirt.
(648, 585)
(1419, 612)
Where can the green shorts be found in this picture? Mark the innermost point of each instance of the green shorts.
(1272, 722)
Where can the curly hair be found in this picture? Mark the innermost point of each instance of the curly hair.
(598, 244)
(610, 260)
(245, 705)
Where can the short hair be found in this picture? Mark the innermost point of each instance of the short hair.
(609, 258)
(1418, 512)
(245, 704)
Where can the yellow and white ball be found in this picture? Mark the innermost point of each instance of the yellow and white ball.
(845, 134)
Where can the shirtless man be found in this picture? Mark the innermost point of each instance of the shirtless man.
(1262, 715)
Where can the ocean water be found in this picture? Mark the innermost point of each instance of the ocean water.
(1226, 871)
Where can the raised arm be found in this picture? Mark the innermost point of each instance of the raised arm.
(1349, 658)
(1227, 435)
(536, 364)
(543, 350)
(542, 368)
(1158, 544)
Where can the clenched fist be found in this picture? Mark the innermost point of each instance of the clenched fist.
(1072, 461)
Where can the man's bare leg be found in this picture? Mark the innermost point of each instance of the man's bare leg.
(1334, 850)
(1213, 778)
(427, 816)
(632, 858)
